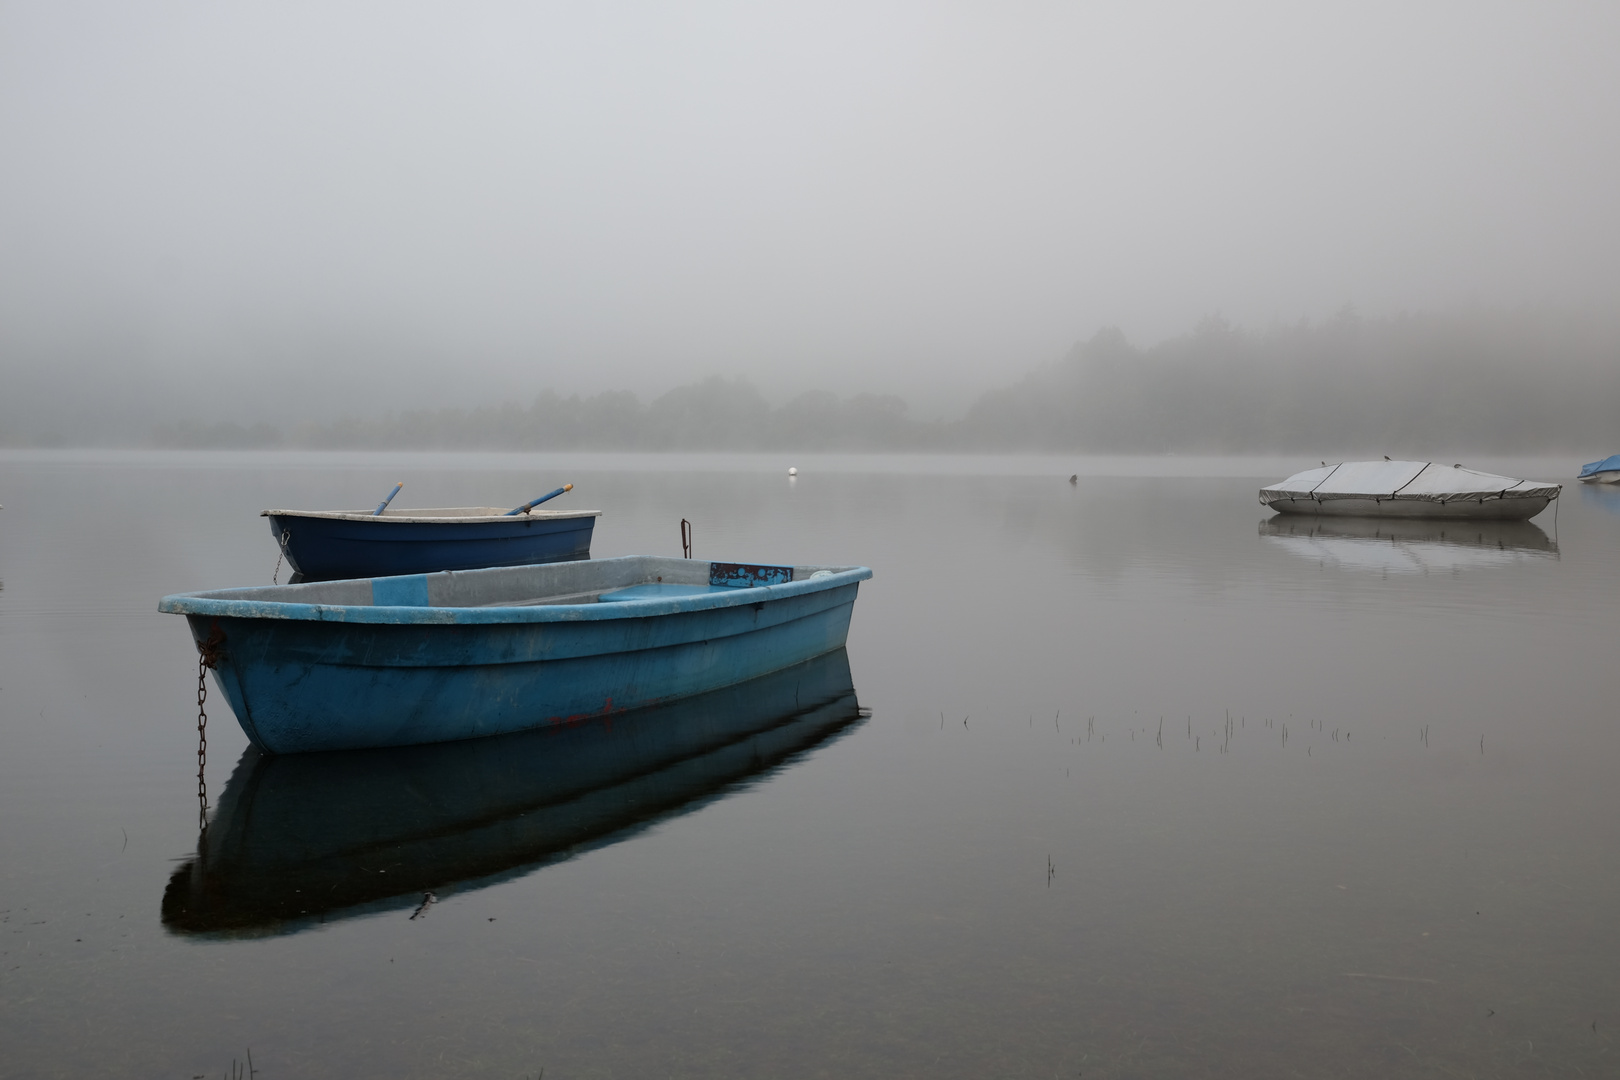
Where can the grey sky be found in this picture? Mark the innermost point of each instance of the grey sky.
(925, 198)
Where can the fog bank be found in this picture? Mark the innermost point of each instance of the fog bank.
(1416, 385)
(294, 212)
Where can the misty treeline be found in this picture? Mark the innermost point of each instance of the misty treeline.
(714, 414)
(1408, 385)
(1411, 384)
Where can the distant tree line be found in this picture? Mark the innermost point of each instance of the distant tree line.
(717, 413)
(1500, 381)
(225, 435)
(1414, 384)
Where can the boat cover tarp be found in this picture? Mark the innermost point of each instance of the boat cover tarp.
(1406, 480)
(1608, 464)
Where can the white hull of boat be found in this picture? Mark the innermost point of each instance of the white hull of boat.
(1475, 510)
(1610, 477)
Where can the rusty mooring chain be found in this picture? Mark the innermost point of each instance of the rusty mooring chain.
(207, 657)
(286, 534)
(202, 744)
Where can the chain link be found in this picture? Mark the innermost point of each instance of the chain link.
(286, 534)
(208, 654)
(202, 742)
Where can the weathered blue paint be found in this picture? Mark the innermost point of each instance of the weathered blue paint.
(655, 591)
(746, 574)
(294, 836)
(327, 548)
(375, 669)
(408, 591)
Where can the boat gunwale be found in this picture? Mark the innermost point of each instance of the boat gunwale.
(218, 603)
(412, 517)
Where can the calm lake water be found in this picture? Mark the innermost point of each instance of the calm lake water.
(1147, 788)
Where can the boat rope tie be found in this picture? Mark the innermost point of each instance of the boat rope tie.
(207, 657)
(286, 535)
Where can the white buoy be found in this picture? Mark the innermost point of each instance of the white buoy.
(793, 472)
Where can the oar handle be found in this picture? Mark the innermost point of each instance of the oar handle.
(384, 504)
(526, 507)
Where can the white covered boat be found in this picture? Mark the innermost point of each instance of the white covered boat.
(1410, 489)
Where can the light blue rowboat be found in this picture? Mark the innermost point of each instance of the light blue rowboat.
(425, 658)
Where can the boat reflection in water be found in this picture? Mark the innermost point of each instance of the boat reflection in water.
(1604, 496)
(1409, 546)
(302, 838)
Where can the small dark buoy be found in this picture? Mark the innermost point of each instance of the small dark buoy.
(1386, 457)
(1074, 479)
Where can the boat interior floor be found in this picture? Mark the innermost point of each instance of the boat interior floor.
(585, 581)
(649, 590)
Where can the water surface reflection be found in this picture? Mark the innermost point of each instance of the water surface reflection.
(299, 839)
(1413, 546)
(1606, 497)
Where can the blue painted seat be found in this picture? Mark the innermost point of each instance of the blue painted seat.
(658, 591)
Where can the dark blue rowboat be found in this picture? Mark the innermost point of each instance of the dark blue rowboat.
(325, 545)
(424, 658)
(297, 839)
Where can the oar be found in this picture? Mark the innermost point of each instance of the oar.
(526, 507)
(384, 504)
